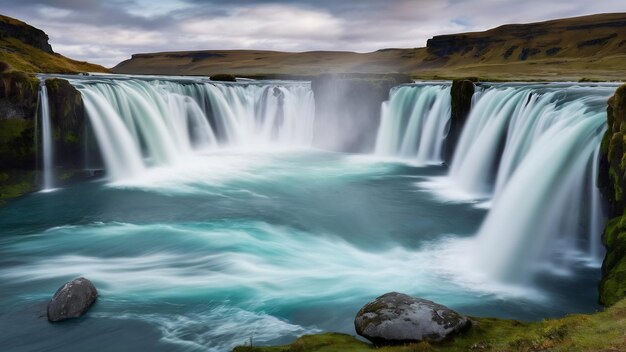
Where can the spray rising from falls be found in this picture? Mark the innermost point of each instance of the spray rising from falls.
(413, 123)
(46, 137)
(141, 123)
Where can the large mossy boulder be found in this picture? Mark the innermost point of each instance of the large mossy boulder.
(462, 92)
(347, 109)
(72, 300)
(612, 182)
(396, 318)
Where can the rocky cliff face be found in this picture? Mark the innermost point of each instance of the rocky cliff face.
(462, 92)
(12, 28)
(612, 182)
(24, 50)
(18, 108)
(68, 122)
(20, 144)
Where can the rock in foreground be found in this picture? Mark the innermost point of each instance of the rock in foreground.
(72, 300)
(396, 318)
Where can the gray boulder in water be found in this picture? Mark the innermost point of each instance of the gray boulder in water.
(396, 318)
(72, 300)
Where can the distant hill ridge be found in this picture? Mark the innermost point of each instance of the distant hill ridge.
(587, 36)
(592, 47)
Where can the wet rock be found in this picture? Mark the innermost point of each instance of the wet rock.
(396, 318)
(223, 77)
(72, 300)
(462, 92)
(69, 122)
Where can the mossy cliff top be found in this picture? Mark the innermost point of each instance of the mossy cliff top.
(602, 331)
(26, 48)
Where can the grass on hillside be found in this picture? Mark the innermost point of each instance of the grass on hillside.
(23, 57)
(602, 331)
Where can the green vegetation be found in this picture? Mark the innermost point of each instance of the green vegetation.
(26, 49)
(602, 331)
(15, 183)
(612, 183)
(17, 144)
(24, 57)
(18, 107)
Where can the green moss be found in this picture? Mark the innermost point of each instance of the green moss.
(329, 342)
(15, 183)
(602, 331)
(20, 90)
(17, 144)
(611, 181)
(613, 284)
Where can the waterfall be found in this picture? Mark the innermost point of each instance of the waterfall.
(535, 149)
(46, 137)
(140, 123)
(413, 123)
(531, 150)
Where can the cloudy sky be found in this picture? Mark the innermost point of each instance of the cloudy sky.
(109, 31)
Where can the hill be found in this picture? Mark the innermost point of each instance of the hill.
(26, 48)
(588, 47)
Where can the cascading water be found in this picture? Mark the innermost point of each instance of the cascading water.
(46, 137)
(140, 123)
(276, 245)
(534, 149)
(413, 123)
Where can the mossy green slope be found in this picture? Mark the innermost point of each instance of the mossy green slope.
(26, 49)
(602, 331)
